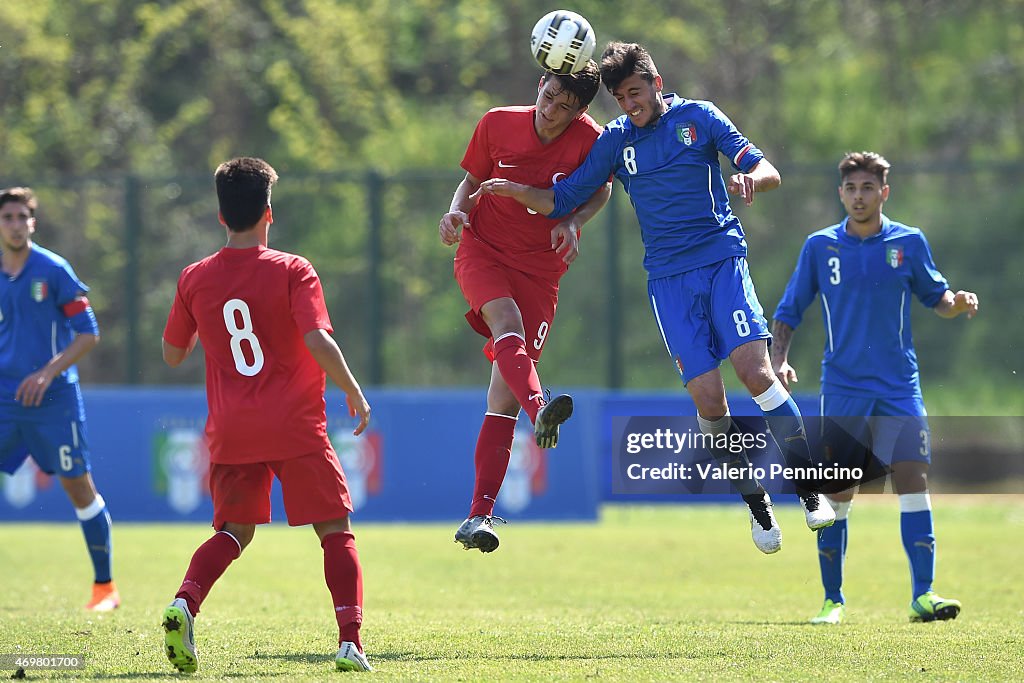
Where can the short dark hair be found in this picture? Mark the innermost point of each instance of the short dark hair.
(622, 60)
(243, 190)
(583, 85)
(864, 161)
(22, 195)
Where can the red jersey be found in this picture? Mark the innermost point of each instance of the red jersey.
(264, 389)
(505, 145)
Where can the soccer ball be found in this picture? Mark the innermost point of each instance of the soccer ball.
(562, 42)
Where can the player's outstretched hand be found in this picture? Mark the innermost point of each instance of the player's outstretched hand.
(450, 227)
(965, 302)
(786, 374)
(743, 185)
(357, 406)
(32, 389)
(498, 186)
(565, 240)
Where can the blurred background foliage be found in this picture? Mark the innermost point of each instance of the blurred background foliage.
(117, 111)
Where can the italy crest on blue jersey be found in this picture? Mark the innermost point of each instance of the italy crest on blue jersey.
(687, 133)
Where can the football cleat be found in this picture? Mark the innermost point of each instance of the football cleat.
(932, 607)
(478, 532)
(831, 613)
(349, 658)
(179, 638)
(764, 528)
(549, 417)
(817, 511)
(105, 597)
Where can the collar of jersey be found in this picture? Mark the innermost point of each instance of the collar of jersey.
(248, 252)
(887, 228)
(33, 256)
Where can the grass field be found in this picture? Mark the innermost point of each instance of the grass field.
(649, 593)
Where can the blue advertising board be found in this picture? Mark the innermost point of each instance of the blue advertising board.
(414, 463)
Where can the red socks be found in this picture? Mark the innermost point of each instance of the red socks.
(493, 449)
(520, 374)
(345, 581)
(341, 570)
(209, 562)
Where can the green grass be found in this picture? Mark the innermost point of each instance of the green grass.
(666, 593)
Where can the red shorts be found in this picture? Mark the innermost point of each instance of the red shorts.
(484, 278)
(314, 489)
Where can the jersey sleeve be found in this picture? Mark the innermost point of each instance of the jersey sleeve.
(309, 310)
(729, 141)
(477, 160)
(69, 295)
(800, 290)
(181, 325)
(927, 282)
(594, 172)
(66, 285)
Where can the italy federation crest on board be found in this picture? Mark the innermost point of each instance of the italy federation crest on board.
(894, 256)
(40, 289)
(686, 133)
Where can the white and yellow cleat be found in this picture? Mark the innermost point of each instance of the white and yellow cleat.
(831, 613)
(179, 637)
(349, 658)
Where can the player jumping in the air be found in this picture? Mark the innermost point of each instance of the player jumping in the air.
(508, 265)
(664, 150)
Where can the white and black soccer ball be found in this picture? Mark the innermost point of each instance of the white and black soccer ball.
(562, 42)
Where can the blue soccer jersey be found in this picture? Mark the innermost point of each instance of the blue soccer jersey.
(670, 170)
(33, 324)
(865, 288)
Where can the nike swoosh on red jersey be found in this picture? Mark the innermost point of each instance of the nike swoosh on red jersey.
(502, 164)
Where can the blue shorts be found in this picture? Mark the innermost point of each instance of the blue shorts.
(705, 313)
(52, 433)
(892, 429)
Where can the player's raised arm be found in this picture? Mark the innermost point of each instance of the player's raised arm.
(541, 201)
(464, 199)
(327, 353)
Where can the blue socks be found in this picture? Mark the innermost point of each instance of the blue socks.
(95, 521)
(918, 540)
(831, 557)
(787, 428)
